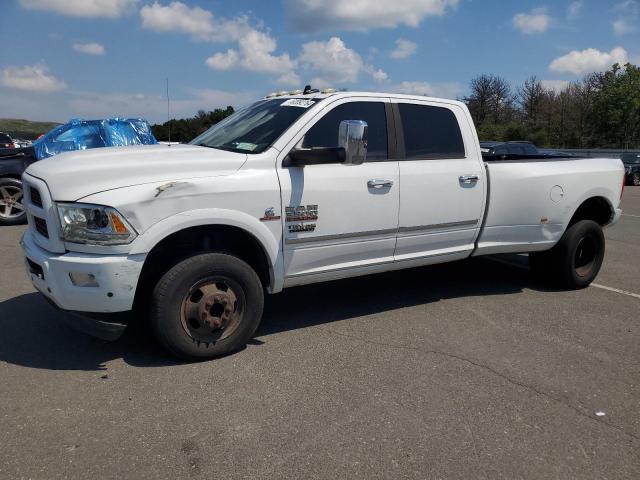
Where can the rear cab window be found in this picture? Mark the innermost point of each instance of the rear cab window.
(430, 132)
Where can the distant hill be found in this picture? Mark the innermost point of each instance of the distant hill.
(25, 129)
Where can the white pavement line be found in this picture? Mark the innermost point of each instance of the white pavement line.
(629, 215)
(597, 285)
(617, 290)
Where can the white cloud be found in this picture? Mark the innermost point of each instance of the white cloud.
(91, 48)
(83, 8)
(201, 24)
(33, 78)
(588, 61)
(622, 27)
(255, 50)
(361, 15)
(404, 48)
(178, 17)
(255, 54)
(574, 8)
(289, 78)
(443, 89)
(378, 74)
(224, 60)
(555, 85)
(334, 63)
(536, 21)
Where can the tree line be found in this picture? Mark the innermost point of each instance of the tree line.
(186, 129)
(600, 111)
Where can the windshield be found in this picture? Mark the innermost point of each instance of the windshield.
(254, 128)
(631, 158)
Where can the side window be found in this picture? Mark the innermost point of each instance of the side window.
(530, 149)
(325, 132)
(516, 150)
(500, 150)
(430, 132)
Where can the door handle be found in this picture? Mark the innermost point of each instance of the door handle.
(379, 183)
(468, 179)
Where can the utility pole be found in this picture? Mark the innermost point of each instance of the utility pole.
(168, 110)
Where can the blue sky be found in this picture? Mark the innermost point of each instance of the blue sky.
(97, 58)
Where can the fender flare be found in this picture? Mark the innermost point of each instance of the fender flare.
(210, 216)
(207, 216)
(599, 192)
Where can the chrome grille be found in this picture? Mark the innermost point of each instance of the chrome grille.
(42, 214)
(41, 226)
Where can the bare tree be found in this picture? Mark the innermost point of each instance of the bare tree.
(479, 101)
(531, 97)
(501, 99)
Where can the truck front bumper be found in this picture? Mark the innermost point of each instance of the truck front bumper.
(110, 283)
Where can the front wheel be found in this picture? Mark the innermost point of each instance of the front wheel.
(574, 262)
(12, 211)
(207, 306)
(635, 180)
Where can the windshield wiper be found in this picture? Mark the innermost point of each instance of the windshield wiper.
(223, 147)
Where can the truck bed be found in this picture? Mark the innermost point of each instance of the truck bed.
(531, 200)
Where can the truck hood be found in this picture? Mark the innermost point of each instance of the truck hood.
(73, 175)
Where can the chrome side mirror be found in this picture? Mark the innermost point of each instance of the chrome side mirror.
(352, 136)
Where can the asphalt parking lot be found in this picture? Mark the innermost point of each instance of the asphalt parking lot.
(466, 370)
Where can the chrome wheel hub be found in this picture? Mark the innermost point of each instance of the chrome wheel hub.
(211, 311)
(11, 202)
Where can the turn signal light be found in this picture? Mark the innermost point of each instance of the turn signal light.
(118, 226)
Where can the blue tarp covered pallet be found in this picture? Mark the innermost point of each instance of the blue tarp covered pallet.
(81, 134)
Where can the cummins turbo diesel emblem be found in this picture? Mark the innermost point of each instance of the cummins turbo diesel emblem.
(301, 213)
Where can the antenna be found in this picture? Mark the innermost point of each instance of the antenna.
(168, 110)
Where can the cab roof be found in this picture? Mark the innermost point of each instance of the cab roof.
(349, 94)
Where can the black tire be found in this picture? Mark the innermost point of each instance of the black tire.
(574, 262)
(12, 212)
(171, 298)
(635, 180)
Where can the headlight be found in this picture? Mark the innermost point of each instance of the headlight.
(94, 225)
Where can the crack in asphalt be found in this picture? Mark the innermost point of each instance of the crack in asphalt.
(488, 369)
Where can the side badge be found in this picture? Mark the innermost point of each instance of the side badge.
(300, 214)
(270, 214)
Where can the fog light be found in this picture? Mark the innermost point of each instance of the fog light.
(83, 279)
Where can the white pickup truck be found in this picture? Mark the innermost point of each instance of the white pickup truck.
(293, 190)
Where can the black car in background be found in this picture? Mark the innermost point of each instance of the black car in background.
(508, 148)
(631, 163)
(6, 141)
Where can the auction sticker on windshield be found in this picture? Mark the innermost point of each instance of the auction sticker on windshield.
(297, 102)
(246, 146)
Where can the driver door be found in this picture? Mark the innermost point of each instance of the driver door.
(340, 217)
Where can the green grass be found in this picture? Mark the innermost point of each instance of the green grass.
(25, 129)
